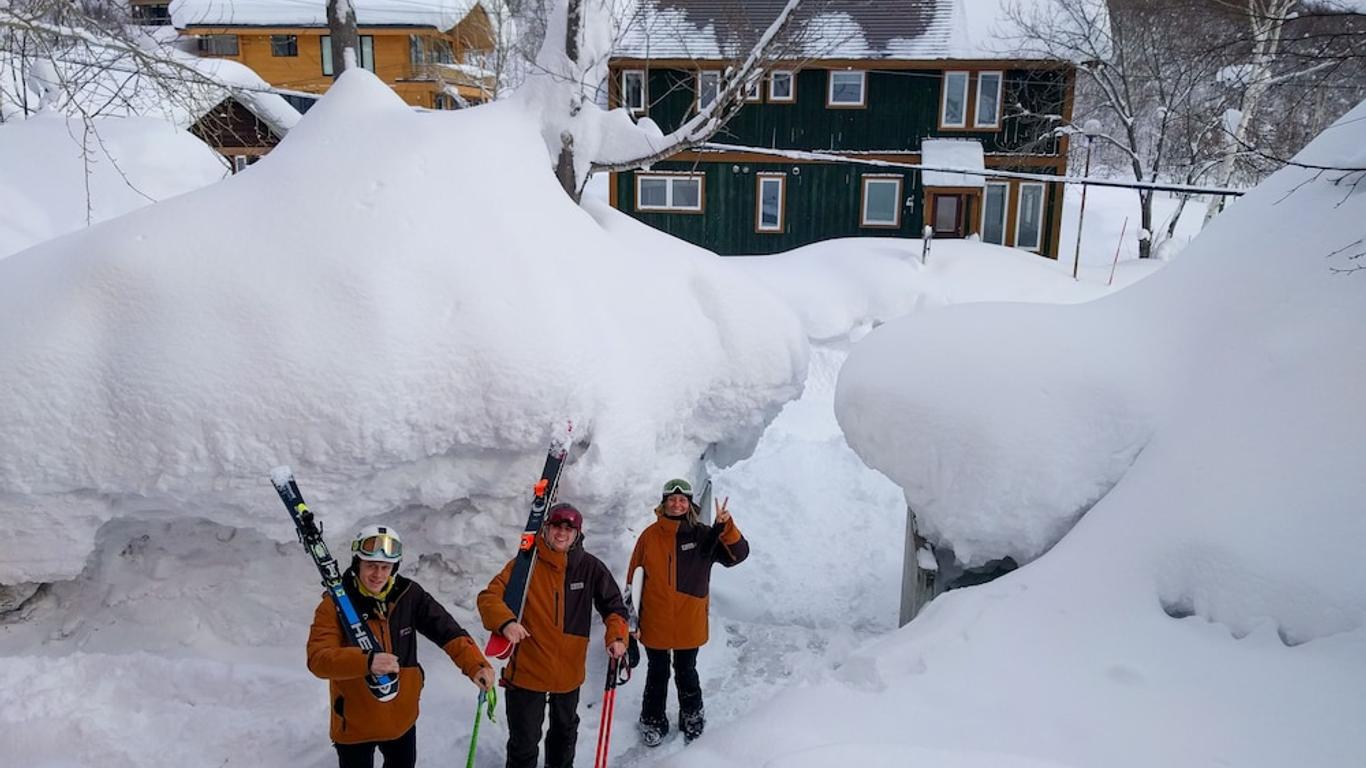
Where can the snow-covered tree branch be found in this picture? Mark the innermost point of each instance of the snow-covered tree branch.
(566, 85)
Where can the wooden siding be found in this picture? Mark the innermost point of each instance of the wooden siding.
(821, 201)
(392, 58)
(902, 110)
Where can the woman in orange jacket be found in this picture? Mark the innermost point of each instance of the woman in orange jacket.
(677, 553)
(397, 610)
(550, 642)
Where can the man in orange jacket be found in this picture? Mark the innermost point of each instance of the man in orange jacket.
(551, 640)
(396, 609)
(677, 553)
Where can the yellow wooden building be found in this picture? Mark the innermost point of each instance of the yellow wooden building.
(430, 53)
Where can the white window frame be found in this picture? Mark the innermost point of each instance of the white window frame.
(669, 206)
(1019, 214)
(944, 99)
(1005, 210)
(705, 73)
(754, 88)
(977, 108)
(759, 180)
(791, 77)
(862, 89)
(878, 178)
(625, 91)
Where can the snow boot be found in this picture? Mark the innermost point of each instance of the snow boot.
(652, 732)
(691, 723)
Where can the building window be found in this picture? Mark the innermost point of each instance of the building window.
(781, 87)
(770, 208)
(218, 45)
(988, 100)
(239, 163)
(284, 45)
(754, 87)
(881, 201)
(1029, 228)
(633, 90)
(660, 192)
(367, 53)
(994, 212)
(151, 14)
(708, 88)
(953, 111)
(846, 89)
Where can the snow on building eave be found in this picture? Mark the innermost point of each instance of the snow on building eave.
(442, 15)
(677, 29)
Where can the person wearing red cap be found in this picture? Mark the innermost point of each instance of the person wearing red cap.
(550, 642)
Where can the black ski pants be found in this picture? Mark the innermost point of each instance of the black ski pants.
(399, 753)
(525, 713)
(657, 684)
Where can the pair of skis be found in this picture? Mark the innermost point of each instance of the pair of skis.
(310, 533)
(542, 496)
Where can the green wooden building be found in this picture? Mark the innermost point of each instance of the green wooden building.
(902, 81)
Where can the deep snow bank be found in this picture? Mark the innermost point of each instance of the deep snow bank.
(61, 173)
(403, 306)
(1209, 609)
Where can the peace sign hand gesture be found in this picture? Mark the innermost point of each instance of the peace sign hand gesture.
(722, 513)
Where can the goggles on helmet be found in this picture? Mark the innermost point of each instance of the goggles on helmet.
(382, 545)
(678, 486)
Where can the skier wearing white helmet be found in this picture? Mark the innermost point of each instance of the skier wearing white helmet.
(397, 609)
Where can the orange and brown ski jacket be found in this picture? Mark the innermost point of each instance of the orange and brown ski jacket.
(565, 587)
(406, 612)
(678, 556)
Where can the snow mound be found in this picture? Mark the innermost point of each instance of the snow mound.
(127, 162)
(409, 309)
(1209, 609)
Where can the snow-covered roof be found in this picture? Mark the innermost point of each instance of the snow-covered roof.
(952, 153)
(832, 29)
(440, 14)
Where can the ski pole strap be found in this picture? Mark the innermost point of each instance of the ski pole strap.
(491, 698)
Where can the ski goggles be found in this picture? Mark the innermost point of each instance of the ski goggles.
(383, 544)
(678, 486)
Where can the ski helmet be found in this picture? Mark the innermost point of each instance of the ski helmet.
(379, 544)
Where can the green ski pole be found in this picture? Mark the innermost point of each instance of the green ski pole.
(491, 697)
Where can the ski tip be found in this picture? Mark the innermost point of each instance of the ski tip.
(498, 647)
(281, 475)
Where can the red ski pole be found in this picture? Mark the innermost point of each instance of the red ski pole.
(609, 704)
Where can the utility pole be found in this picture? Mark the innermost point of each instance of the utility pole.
(1091, 129)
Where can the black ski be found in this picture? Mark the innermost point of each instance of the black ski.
(385, 687)
(543, 495)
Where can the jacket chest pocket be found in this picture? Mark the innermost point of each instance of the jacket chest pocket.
(577, 607)
(694, 569)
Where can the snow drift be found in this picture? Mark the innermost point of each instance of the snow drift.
(61, 174)
(1208, 608)
(403, 306)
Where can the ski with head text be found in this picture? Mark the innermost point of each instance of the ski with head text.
(310, 532)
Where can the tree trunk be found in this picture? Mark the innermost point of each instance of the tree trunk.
(341, 25)
(564, 164)
(1145, 207)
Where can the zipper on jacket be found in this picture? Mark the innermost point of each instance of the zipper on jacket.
(558, 621)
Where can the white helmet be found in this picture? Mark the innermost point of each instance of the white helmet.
(378, 543)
